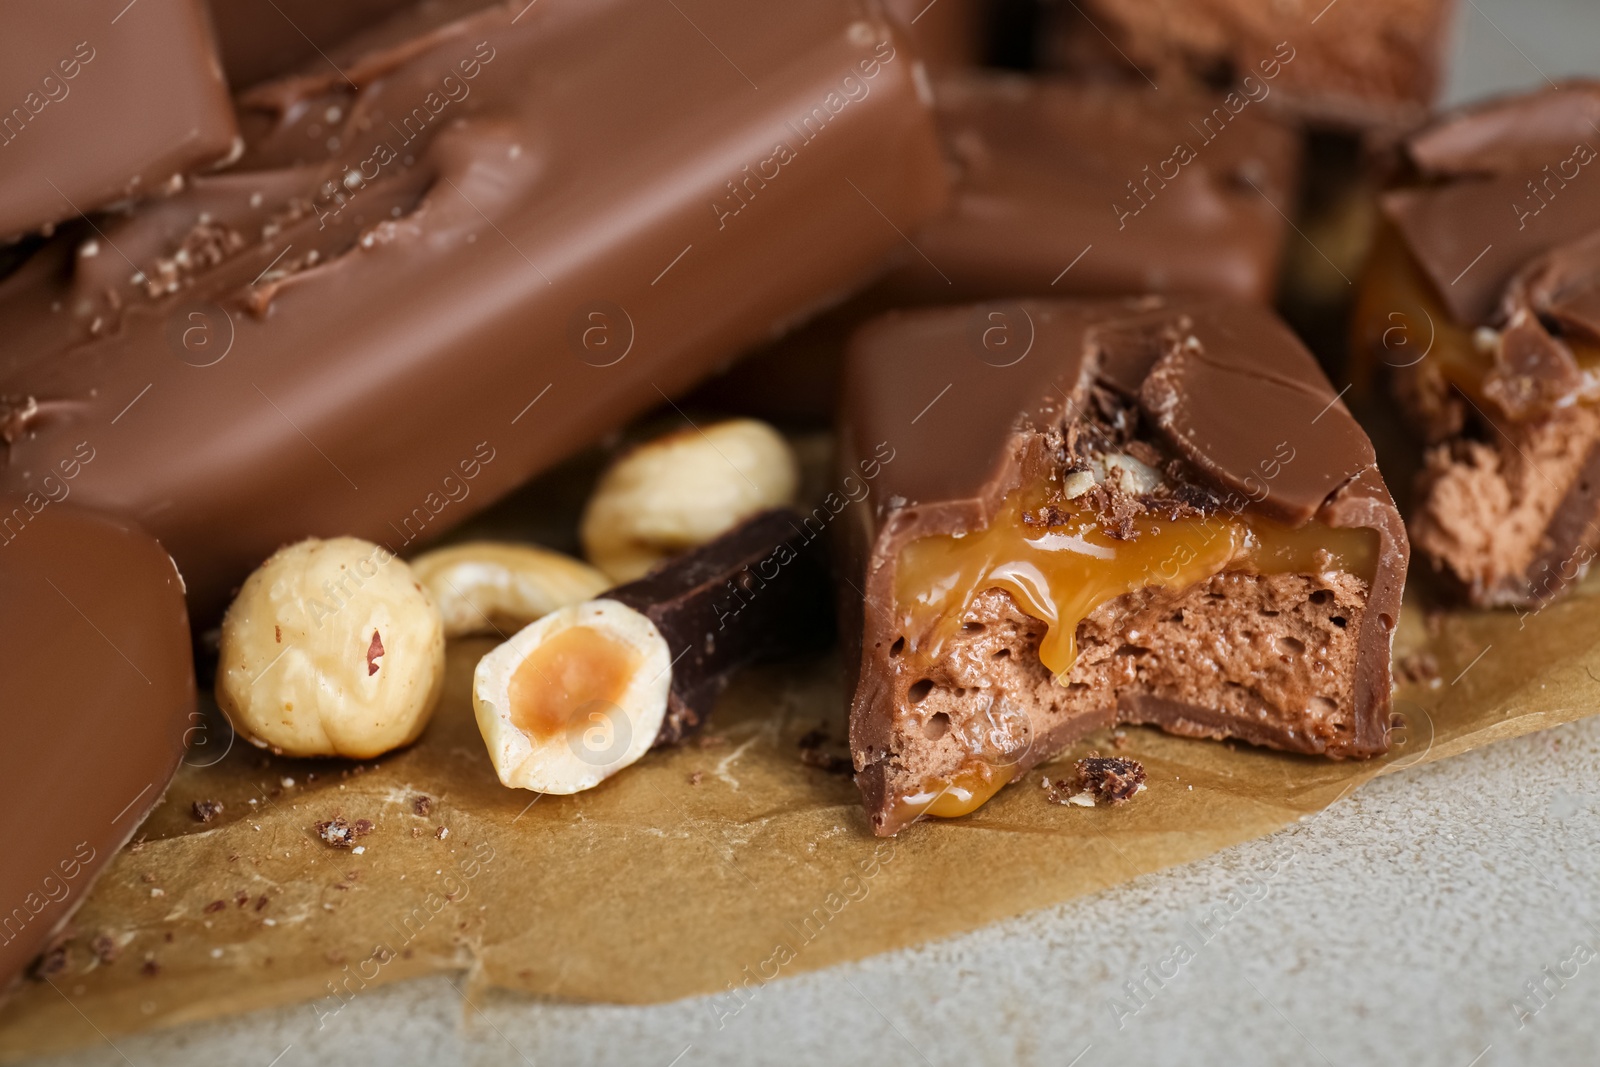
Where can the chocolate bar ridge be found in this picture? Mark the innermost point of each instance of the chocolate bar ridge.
(443, 266)
(949, 422)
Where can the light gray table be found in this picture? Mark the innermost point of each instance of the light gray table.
(1405, 925)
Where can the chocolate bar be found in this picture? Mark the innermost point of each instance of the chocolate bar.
(99, 700)
(758, 591)
(432, 275)
(1479, 304)
(1077, 514)
(102, 103)
(1067, 189)
(1063, 189)
(259, 39)
(1351, 64)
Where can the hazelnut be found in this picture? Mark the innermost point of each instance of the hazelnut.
(487, 586)
(573, 698)
(332, 648)
(681, 490)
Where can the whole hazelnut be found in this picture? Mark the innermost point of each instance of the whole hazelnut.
(332, 648)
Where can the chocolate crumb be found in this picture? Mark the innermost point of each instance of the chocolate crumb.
(214, 907)
(1418, 668)
(150, 968)
(261, 902)
(206, 810)
(341, 834)
(422, 805)
(1110, 779)
(696, 777)
(105, 948)
(416, 831)
(442, 833)
(50, 963)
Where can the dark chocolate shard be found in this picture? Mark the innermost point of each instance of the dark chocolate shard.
(99, 693)
(1234, 409)
(759, 591)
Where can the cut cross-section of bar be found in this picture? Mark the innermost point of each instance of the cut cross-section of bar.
(1159, 513)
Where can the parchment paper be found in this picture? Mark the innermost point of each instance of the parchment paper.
(714, 866)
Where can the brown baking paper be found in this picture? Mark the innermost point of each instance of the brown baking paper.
(715, 864)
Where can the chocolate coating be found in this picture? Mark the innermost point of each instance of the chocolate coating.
(100, 103)
(99, 691)
(262, 38)
(965, 413)
(411, 295)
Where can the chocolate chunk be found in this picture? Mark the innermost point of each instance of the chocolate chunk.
(969, 676)
(413, 292)
(98, 106)
(757, 592)
(99, 691)
(1354, 63)
(1491, 257)
(339, 833)
(206, 810)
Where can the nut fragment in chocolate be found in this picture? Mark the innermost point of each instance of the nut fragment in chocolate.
(1103, 779)
(332, 648)
(206, 810)
(336, 832)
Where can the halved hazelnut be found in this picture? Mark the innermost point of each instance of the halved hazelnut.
(573, 698)
(485, 586)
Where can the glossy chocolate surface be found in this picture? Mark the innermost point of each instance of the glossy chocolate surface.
(101, 103)
(446, 262)
(99, 692)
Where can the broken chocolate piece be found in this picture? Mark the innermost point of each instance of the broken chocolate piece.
(1110, 779)
(757, 592)
(100, 105)
(1482, 303)
(1013, 604)
(99, 691)
(347, 332)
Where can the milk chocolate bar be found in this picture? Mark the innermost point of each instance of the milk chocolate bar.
(101, 102)
(432, 274)
(1154, 511)
(757, 592)
(1095, 189)
(1353, 63)
(1480, 304)
(262, 38)
(99, 697)
(1064, 189)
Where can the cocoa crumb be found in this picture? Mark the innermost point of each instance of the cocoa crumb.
(50, 963)
(261, 902)
(1098, 780)
(422, 805)
(214, 907)
(241, 898)
(340, 834)
(416, 831)
(105, 948)
(812, 753)
(150, 968)
(1418, 668)
(206, 810)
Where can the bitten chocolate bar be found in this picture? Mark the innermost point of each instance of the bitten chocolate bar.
(444, 265)
(1482, 304)
(101, 102)
(1155, 511)
(99, 701)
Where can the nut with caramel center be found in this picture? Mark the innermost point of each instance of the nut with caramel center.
(488, 586)
(681, 490)
(573, 698)
(332, 648)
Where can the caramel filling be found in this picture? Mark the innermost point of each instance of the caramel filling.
(567, 680)
(1059, 574)
(1393, 291)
